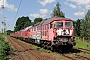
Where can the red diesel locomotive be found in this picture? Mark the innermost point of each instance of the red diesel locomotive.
(51, 33)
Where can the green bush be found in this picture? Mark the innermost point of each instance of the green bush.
(4, 48)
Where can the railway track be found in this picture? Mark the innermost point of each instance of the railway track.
(19, 51)
(75, 56)
(24, 51)
(84, 50)
(29, 50)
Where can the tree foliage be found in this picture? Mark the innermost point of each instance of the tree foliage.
(57, 11)
(21, 23)
(83, 29)
(9, 32)
(37, 20)
(85, 26)
(77, 28)
(87, 19)
(77, 25)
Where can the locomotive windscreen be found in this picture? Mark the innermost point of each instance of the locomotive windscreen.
(59, 24)
(68, 24)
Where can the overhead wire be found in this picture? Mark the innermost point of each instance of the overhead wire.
(18, 9)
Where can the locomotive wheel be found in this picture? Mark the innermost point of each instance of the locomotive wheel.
(41, 43)
(53, 48)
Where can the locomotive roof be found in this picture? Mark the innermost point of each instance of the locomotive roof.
(46, 21)
(26, 28)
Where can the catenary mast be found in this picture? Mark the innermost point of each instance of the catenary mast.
(3, 18)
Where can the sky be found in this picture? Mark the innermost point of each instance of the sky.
(73, 9)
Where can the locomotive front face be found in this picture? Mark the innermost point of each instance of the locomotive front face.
(64, 32)
(64, 28)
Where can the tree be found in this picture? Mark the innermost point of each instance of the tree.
(84, 32)
(22, 23)
(57, 11)
(77, 28)
(9, 32)
(85, 26)
(87, 20)
(37, 20)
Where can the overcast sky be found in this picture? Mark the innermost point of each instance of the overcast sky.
(73, 9)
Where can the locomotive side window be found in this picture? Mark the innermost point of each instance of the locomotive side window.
(51, 26)
(34, 28)
(68, 24)
(45, 27)
(59, 24)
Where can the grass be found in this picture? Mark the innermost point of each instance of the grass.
(40, 49)
(82, 44)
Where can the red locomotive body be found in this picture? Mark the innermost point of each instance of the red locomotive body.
(25, 34)
(51, 33)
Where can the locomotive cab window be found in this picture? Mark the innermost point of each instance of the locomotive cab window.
(68, 24)
(59, 24)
